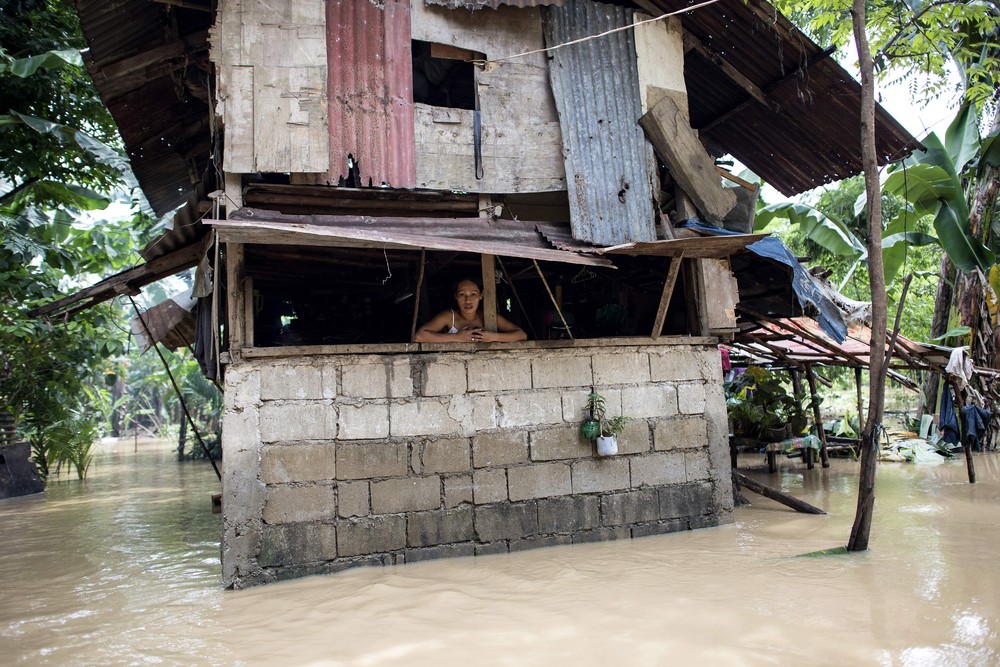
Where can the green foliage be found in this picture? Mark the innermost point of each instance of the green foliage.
(596, 409)
(757, 399)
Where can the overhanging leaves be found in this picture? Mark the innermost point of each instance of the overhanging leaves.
(962, 138)
(25, 67)
(821, 229)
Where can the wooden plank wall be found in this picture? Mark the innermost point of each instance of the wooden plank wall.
(271, 59)
(521, 142)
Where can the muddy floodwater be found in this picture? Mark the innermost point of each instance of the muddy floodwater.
(124, 570)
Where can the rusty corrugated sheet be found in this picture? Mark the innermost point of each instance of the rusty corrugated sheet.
(493, 4)
(610, 167)
(149, 63)
(370, 82)
(810, 133)
(506, 238)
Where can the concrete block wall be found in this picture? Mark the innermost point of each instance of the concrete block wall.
(336, 461)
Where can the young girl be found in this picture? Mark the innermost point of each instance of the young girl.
(465, 324)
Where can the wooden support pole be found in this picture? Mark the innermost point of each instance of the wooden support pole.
(668, 291)
(552, 296)
(489, 293)
(861, 401)
(966, 445)
(824, 456)
(776, 495)
(416, 292)
(517, 297)
(236, 306)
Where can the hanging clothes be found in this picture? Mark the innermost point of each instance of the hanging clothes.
(947, 419)
(975, 421)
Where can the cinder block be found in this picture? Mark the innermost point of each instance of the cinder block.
(691, 398)
(505, 521)
(602, 535)
(681, 433)
(293, 504)
(498, 547)
(425, 529)
(489, 485)
(457, 490)
(508, 447)
(240, 431)
(329, 372)
(353, 499)
(242, 387)
(444, 378)
(561, 370)
(375, 535)
(576, 404)
(559, 443)
(280, 464)
(569, 514)
(371, 460)
(297, 543)
(539, 480)
(530, 408)
(630, 507)
(377, 377)
(685, 500)
(473, 413)
(286, 422)
(422, 417)
(660, 528)
(363, 422)
(242, 494)
(291, 382)
(501, 373)
(409, 494)
(679, 364)
(634, 438)
(595, 475)
(658, 469)
(696, 465)
(649, 400)
(440, 551)
(625, 367)
(445, 455)
(539, 542)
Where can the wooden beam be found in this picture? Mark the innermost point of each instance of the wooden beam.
(416, 293)
(692, 43)
(236, 306)
(774, 494)
(668, 291)
(489, 293)
(555, 302)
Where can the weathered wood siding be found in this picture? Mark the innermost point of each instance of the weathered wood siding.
(521, 142)
(271, 60)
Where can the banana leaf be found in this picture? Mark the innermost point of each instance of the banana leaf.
(828, 232)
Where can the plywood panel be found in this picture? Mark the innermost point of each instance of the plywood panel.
(659, 50)
(236, 95)
(289, 119)
(521, 142)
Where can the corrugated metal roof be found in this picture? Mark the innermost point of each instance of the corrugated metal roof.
(150, 64)
(492, 4)
(507, 238)
(810, 133)
(610, 167)
(370, 84)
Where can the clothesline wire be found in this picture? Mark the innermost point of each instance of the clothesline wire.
(588, 38)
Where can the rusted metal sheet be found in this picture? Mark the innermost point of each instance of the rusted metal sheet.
(506, 238)
(610, 167)
(170, 322)
(492, 4)
(148, 62)
(370, 88)
(808, 132)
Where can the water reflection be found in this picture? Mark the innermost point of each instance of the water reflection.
(123, 569)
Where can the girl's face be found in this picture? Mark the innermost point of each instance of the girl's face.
(468, 296)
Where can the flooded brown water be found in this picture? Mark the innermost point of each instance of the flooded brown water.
(123, 570)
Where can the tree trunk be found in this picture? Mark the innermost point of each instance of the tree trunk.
(939, 325)
(876, 280)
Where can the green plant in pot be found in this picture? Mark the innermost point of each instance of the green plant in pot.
(599, 427)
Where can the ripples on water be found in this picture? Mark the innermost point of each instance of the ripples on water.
(124, 570)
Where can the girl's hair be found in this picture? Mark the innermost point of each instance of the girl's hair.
(477, 283)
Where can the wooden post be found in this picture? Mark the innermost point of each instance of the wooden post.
(861, 400)
(824, 455)
(668, 291)
(779, 496)
(966, 445)
(489, 293)
(416, 293)
(555, 301)
(236, 306)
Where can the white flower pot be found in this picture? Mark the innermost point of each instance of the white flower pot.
(607, 445)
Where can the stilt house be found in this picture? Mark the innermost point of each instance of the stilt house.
(336, 165)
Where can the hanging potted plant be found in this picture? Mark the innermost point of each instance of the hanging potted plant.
(598, 427)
